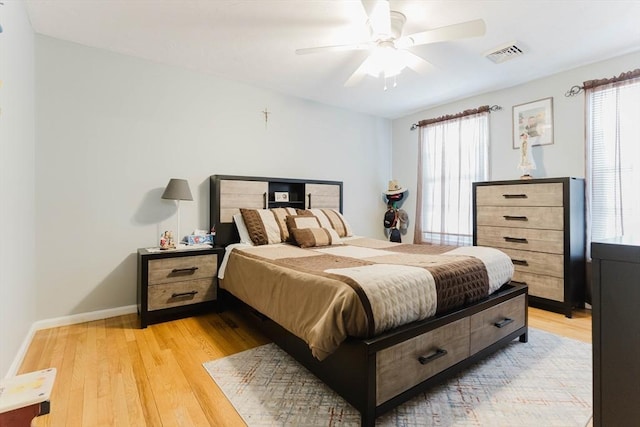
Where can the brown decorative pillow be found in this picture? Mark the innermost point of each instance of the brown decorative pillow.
(316, 236)
(330, 218)
(262, 225)
(302, 221)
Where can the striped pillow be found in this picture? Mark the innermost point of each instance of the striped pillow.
(266, 226)
(316, 236)
(330, 218)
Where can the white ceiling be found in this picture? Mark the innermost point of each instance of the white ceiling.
(253, 41)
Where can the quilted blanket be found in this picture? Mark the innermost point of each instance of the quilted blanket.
(360, 288)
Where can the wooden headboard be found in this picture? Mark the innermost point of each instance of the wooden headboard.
(230, 193)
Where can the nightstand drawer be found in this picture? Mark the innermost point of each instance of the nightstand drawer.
(179, 269)
(520, 195)
(187, 292)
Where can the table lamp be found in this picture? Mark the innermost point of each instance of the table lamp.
(177, 189)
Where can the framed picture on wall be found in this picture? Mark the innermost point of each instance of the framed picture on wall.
(533, 122)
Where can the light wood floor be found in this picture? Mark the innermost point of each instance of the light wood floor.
(111, 373)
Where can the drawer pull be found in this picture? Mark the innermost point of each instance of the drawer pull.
(515, 240)
(183, 294)
(519, 261)
(515, 218)
(430, 358)
(184, 270)
(503, 323)
(514, 196)
(515, 282)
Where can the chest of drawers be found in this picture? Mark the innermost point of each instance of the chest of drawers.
(176, 283)
(540, 224)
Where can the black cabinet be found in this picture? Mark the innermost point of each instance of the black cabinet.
(616, 331)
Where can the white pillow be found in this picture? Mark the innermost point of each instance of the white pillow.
(242, 229)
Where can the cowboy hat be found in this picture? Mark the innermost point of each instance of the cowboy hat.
(394, 188)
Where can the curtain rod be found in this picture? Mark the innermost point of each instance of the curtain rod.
(469, 112)
(590, 84)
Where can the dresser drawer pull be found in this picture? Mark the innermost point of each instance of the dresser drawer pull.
(515, 218)
(514, 196)
(515, 240)
(515, 282)
(430, 358)
(184, 270)
(519, 261)
(184, 294)
(503, 323)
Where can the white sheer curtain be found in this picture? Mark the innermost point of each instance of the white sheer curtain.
(453, 154)
(613, 160)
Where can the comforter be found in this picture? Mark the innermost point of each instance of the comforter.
(360, 288)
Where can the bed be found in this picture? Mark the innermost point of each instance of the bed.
(377, 321)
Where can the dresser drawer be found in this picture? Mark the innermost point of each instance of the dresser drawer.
(408, 363)
(520, 195)
(529, 239)
(537, 262)
(178, 269)
(548, 218)
(492, 324)
(541, 285)
(176, 294)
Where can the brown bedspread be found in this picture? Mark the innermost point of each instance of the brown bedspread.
(361, 288)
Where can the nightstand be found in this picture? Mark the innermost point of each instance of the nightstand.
(176, 283)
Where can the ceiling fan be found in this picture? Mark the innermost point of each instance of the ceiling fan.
(389, 53)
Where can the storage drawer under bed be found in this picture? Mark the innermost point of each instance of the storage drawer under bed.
(404, 365)
(489, 326)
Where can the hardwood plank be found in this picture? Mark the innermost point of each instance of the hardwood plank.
(110, 372)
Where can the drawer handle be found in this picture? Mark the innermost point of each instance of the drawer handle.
(430, 358)
(183, 294)
(515, 218)
(519, 261)
(184, 270)
(514, 196)
(515, 282)
(503, 323)
(515, 240)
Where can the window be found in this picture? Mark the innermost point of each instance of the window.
(453, 154)
(613, 160)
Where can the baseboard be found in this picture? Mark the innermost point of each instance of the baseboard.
(64, 321)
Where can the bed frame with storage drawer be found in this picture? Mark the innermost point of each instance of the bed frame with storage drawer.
(375, 375)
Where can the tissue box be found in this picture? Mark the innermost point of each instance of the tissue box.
(198, 239)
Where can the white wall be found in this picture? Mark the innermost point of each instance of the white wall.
(112, 130)
(17, 181)
(565, 157)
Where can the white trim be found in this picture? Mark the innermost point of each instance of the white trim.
(64, 321)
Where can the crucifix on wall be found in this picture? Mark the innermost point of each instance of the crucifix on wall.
(266, 113)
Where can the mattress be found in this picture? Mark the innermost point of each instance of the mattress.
(360, 288)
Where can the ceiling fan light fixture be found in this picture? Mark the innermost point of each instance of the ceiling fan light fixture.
(385, 60)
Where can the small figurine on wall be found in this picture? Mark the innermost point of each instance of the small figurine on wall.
(166, 240)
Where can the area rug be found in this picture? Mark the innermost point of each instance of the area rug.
(545, 382)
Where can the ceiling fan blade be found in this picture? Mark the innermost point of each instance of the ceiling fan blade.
(336, 48)
(450, 32)
(358, 74)
(379, 14)
(416, 63)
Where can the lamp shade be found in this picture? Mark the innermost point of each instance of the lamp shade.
(177, 189)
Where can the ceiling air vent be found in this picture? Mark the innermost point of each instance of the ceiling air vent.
(504, 53)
